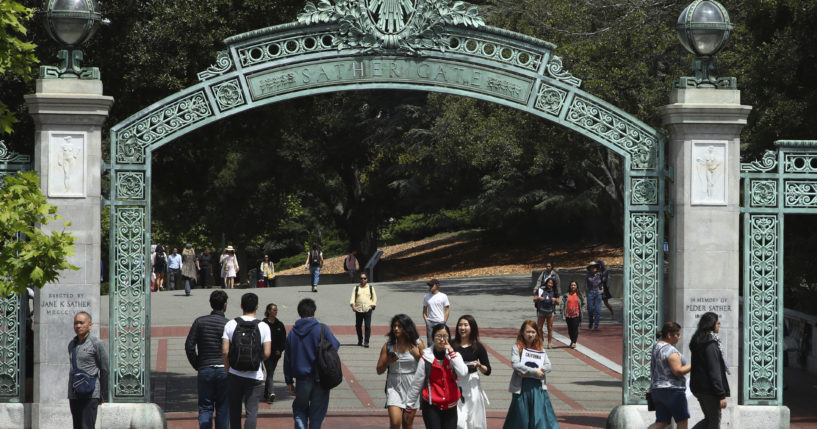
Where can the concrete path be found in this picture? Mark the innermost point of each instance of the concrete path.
(584, 386)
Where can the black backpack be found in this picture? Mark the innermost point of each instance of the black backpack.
(330, 374)
(246, 352)
(315, 258)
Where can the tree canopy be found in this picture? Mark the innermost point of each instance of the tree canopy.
(29, 257)
(350, 167)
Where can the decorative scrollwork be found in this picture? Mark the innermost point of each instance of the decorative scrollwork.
(767, 163)
(171, 118)
(130, 185)
(554, 69)
(228, 95)
(800, 193)
(128, 317)
(550, 99)
(763, 193)
(403, 25)
(762, 308)
(11, 347)
(223, 64)
(12, 157)
(642, 319)
(800, 163)
(616, 130)
(644, 191)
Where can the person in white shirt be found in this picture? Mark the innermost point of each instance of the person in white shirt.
(246, 385)
(436, 307)
(174, 266)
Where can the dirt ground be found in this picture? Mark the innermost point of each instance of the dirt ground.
(462, 255)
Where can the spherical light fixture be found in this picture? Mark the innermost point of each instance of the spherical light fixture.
(703, 29)
(71, 23)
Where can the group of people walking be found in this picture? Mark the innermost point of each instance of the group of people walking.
(547, 297)
(168, 270)
(707, 381)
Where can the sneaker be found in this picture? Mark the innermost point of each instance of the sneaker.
(360, 343)
(573, 346)
(366, 346)
(271, 398)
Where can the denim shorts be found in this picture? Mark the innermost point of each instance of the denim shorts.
(670, 403)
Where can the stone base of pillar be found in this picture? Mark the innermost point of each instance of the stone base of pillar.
(110, 416)
(742, 416)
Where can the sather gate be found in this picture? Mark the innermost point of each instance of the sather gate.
(350, 45)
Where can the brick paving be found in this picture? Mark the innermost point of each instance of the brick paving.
(584, 386)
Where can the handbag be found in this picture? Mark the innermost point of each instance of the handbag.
(83, 383)
(650, 403)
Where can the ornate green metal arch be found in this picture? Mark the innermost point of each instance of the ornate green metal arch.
(12, 310)
(783, 181)
(425, 45)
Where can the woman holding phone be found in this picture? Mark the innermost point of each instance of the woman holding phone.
(399, 357)
(436, 377)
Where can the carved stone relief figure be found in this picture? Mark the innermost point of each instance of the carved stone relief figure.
(67, 159)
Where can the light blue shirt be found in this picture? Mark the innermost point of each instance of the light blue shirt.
(662, 376)
(174, 261)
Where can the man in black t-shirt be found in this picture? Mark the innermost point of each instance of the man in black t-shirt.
(203, 265)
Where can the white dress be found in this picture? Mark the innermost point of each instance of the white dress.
(398, 379)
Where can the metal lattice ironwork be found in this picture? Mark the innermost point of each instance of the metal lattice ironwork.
(782, 181)
(350, 45)
(12, 312)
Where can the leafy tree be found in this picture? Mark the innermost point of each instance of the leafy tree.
(29, 257)
(17, 58)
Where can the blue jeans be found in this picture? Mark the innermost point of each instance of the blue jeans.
(594, 308)
(310, 404)
(316, 273)
(212, 386)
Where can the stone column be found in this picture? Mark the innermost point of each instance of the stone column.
(68, 116)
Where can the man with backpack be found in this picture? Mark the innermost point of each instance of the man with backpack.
(314, 262)
(245, 344)
(363, 302)
(311, 367)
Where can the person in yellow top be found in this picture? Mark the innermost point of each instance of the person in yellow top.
(268, 271)
(363, 302)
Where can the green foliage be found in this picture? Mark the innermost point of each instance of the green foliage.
(420, 225)
(29, 257)
(16, 56)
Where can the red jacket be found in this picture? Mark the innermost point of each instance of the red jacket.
(441, 389)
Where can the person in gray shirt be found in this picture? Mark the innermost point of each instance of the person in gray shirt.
(92, 358)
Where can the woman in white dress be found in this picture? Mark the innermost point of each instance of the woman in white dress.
(471, 410)
(399, 357)
(229, 267)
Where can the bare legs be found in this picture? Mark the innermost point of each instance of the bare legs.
(399, 419)
(229, 282)
(160, 281)
(541, 322)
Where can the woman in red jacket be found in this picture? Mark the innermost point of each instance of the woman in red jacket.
(436, 377)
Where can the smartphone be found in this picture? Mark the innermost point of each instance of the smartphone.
(393, 354)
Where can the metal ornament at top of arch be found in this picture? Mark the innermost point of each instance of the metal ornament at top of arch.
(372, 24)
(223, 64)
(555, 70)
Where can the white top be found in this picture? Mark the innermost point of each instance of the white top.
(229, 328)
(436, 303)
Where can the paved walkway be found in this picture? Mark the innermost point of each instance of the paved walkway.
(584, 386)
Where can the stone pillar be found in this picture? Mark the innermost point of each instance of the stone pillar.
(704, 235)
(68, 116)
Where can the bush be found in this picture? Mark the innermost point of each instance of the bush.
(421, 225)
